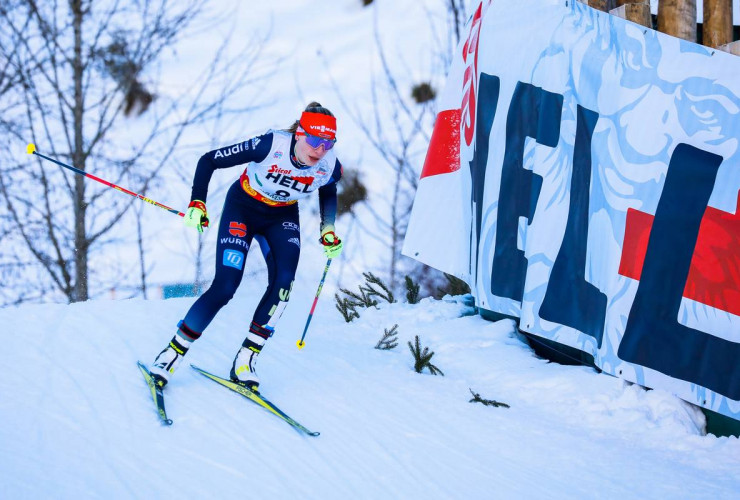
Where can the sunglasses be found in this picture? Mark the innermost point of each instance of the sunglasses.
(316, 141)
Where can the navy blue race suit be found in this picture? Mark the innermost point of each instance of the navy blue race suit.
(261, 205)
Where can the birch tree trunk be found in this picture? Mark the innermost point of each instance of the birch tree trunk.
(78, 158)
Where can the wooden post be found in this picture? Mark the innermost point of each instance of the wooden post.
(637, 11)
(598, 4)
(678, 18)
(717, 22)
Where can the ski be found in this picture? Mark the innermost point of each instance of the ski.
(157, 395)
(255, 397)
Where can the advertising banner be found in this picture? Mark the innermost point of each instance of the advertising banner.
(584, 177)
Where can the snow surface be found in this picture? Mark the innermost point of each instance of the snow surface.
(78, 420)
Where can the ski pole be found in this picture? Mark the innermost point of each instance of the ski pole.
(301, 343)
(31, 149)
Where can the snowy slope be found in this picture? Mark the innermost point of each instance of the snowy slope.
(78, 421)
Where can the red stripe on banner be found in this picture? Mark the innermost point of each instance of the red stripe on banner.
(636, 236)
(714, 275)
(443, 155)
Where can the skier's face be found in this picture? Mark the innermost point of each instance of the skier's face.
(305, 153)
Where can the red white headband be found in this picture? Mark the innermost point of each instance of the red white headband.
(319, 124)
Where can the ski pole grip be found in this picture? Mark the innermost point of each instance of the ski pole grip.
(31, 148)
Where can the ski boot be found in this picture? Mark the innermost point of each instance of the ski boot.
(168, 360)
(243, 370)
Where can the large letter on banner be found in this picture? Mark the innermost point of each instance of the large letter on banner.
(533, 113)
(488, 91)
(653, 337)
(570, 300)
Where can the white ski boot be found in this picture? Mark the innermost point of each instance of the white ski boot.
(168, 360)
(243, 371)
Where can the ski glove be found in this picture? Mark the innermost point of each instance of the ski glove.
(196, 216)
(332, 244)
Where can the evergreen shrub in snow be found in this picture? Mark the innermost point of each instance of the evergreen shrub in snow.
(422, 358)
(346, 307)
(412, 291)
(389, 340)
(373, 287)
(486, 402)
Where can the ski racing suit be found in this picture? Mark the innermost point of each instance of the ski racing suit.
(262, 205)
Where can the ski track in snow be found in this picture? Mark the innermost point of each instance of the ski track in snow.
(79, 421)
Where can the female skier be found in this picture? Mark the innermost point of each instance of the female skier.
(282, 167)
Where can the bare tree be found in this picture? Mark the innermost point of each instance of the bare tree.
(141, 247)
(456, 10)
(72, 72)
(399, 130)
(399, 146)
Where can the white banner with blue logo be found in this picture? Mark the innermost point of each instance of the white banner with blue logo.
(584, 177)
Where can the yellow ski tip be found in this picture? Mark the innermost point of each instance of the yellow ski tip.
(300, 344)
(31, 148)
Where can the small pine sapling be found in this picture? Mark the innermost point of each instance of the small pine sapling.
(347, 308)
(422, 358)
(371, 282)
(487, 402)
(363, 299)
(373, 287)
(412, 291)
(389, 340)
